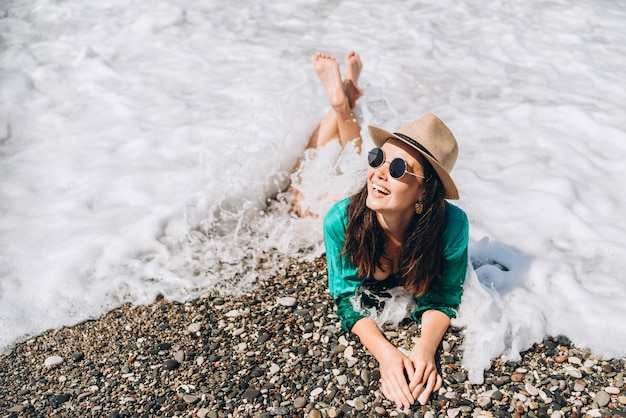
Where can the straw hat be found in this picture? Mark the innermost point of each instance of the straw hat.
(429, 136)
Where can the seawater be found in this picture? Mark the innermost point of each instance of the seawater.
(145, 148)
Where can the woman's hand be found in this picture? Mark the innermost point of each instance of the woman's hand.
(405, 379)
(425, 378)
(394, 369)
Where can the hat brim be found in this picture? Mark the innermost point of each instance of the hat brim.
(380, 136)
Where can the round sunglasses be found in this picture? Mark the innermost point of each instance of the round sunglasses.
(397, 166)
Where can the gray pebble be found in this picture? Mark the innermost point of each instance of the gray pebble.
(251, 394)
(602, 398)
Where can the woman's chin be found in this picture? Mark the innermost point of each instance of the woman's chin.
(374, 203)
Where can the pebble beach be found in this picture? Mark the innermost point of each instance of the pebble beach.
(278, 352)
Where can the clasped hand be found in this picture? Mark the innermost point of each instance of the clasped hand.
(405, 379)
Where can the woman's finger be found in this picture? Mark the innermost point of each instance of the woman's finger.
(396, 389)
(429, 387)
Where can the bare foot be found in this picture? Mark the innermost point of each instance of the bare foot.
(327, 70)
(353, 70)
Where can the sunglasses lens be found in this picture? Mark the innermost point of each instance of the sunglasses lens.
(397, 167)
(376, 157)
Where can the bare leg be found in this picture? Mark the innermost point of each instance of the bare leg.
(350, 84)
(339, 121)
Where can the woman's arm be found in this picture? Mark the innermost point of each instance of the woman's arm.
(425, 378)
(436, 307)
(394, 365)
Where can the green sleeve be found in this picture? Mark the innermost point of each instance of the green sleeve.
(342, 276)
(455, 242)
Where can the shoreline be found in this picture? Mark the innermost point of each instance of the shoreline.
(278, 351)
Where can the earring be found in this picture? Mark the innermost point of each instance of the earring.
(419, 207)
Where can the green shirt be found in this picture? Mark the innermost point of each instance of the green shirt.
(343, 280)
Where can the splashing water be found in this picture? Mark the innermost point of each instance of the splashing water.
(145, 149)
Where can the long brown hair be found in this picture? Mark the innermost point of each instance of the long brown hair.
(421, 262)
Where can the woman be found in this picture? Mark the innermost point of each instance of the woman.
(399, 230)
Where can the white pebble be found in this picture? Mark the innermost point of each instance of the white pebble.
(287, 301)
(274, 368)
(483, 401)
(450, 395)
(575, 360)
(452, 412)
(315, 392)
(556, 414)
(575, 373)
(612, 390)
(531, 389)
(53, 361)
(195, 327)
(232, 314)
(594, 413)
(348, 352)
(342, 380)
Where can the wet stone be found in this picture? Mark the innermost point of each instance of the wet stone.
(256, 372)
(76, 357)
(251, 394)
(170, 364)
(497, 395)
(163, 346)
(459, 377)
(59, 399)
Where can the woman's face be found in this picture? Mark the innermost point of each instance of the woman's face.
(388, 195)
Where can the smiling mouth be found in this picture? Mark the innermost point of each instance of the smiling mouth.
(380, 189)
